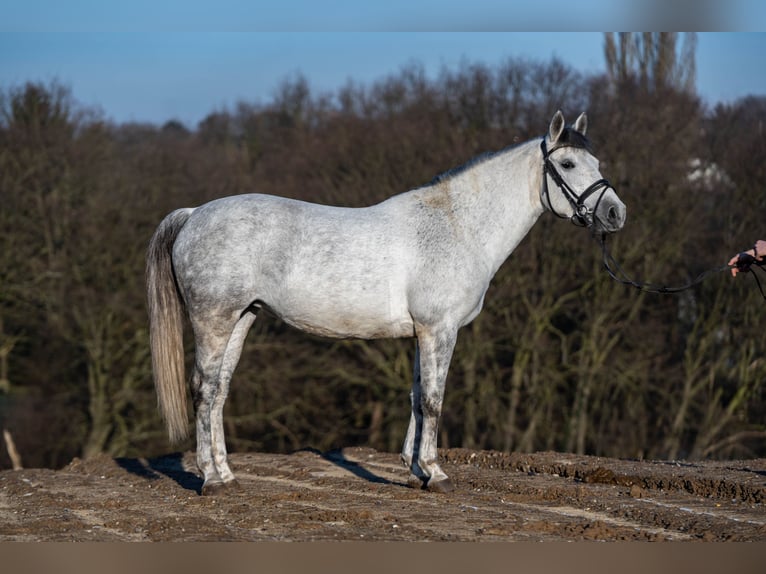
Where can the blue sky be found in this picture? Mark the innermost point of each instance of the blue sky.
(158, 61)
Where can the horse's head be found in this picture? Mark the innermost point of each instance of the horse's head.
(573, 187)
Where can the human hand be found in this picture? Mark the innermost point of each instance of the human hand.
(758, 252)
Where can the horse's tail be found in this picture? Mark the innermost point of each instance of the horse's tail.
(166, 325)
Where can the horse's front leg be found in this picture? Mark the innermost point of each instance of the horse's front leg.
(435, 347)
(415, 428)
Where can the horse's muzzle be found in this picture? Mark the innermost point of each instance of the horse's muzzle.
(610, 216)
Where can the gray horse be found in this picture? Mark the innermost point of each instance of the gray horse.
(415, 265)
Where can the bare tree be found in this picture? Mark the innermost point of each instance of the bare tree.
(654, 58)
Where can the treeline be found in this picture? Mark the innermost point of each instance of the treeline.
(561, 358)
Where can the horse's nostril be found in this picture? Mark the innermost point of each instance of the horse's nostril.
(614, 217)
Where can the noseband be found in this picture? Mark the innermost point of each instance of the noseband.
(582, 215)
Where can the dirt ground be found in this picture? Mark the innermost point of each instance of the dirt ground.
(361, 494)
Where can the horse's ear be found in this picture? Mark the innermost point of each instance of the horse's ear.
(581, 124)
(556, 127)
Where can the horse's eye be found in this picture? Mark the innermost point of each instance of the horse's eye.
(567, 164)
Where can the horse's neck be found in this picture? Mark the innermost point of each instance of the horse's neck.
(500, 201)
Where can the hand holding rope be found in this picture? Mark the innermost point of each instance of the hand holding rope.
(743, 261)
(739, 263)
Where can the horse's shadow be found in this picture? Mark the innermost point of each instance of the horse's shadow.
(170, 465)
(337, 458)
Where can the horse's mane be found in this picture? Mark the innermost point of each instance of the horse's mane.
(455, 171)
(569, 137)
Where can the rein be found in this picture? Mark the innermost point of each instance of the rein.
(744, 264)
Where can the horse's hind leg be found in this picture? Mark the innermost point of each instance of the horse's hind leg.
(217, 356)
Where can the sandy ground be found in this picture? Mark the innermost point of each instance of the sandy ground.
(361, 494)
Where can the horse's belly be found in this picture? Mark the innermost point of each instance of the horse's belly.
(347, 316)
(352, 327)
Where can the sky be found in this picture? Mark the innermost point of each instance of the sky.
(158, 61)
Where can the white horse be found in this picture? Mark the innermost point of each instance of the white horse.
(417, 264)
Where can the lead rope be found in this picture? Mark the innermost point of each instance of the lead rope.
(744, 263)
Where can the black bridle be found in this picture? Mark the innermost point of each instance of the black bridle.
(582, 216)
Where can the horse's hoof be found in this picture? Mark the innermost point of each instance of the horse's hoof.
(415, 482)
(213, 488)
(442, 486)
(218, 487)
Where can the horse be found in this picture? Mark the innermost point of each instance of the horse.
(415, 265)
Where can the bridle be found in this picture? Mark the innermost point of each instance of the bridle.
(582, 216)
